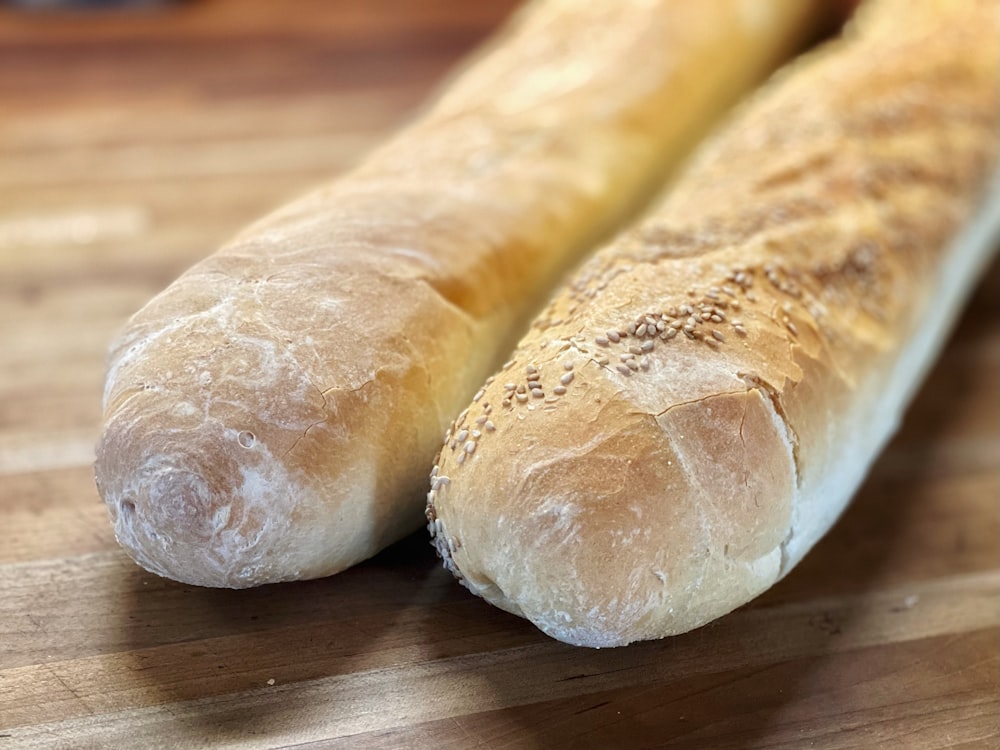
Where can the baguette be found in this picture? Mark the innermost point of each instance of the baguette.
(273, 413)
(695, 409)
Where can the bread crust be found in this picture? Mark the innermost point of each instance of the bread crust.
(695, 409)
(272, 414)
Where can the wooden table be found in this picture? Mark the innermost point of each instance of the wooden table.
(131, 145)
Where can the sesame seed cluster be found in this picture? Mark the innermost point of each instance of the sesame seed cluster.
(443, 543)
(627, 349)
(533, 388)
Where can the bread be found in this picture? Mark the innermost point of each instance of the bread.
(694, 409)
(272, 414)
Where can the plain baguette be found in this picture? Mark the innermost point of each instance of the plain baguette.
(273, 413)
(696, 408)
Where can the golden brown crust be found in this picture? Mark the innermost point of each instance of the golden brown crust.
(739, 358)
(272, 414)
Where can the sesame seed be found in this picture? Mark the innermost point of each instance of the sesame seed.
(531, 369)
(487, 409)
(566, 379)
(647, 346)
(613, 336)
(522, 397)
(661, 326)
(688, 329)
(508, 364)
(509, 386)
(470, 447)
(521, 388)
(567, 365)
(462, 436)
(490, 379)
(602, 361)
(635, 349)
(644, 362)
(559, 390)
(706, 316)
(641, 331)
(717, 335)
(630, 328)
(632, 365)
(481, 420)
(791, 327)
(476, 434)
(460, 459)
(688, 333)
(626, 357)
(489, 426)
(676, 324)
(623, 369)
(668, 334)
(537, 393)
(601, 341)
(479, 394)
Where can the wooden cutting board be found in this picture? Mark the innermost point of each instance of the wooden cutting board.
(131, 145)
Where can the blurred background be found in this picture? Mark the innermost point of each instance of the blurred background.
(169, 112)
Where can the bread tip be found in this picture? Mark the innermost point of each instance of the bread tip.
(210, 510)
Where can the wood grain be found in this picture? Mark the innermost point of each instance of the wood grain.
(133, 144)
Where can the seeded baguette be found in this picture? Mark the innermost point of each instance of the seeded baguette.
(273, 413)
(695, 409)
